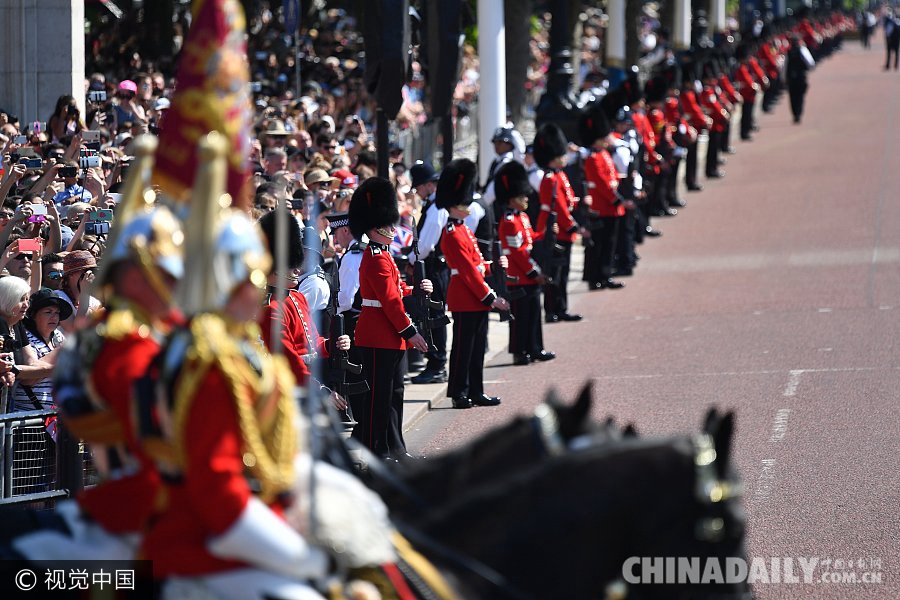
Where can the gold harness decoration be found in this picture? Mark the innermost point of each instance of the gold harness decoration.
(266, 412)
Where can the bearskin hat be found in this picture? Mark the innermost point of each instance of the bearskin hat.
(511, 181)
(655, 90)
(549, 143)
(374, 204)
(456, 185)
(294, 241)
(593, 125)
(632, 85)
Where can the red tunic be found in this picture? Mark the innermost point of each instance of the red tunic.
(298, 330)
(385, 325)
(692, 109)
(729, 90)
(557, 197)
(746, 83)
(123, 504)
(468, 291)
(516, 239)
(758, 72)
(602, 181)
(212, 489)
(711, 102)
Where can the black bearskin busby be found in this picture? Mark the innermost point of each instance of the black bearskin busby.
(511, 181)
(294, 241)
(457, 184)
(549, 143)
(593, 125)
(655, 90)
(632, 85)
(374, 204)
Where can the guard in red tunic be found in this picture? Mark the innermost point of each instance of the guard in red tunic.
(384, 331)
(300, 340)
(606, 209)
(469, 297)
(720, 119)
(526, 338)
(690, 106)
(748, 88)
(558, 199)
(655, 92)
(93, 383)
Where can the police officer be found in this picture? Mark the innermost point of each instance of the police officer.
(314, 284)
(430, 226)
(469, 297)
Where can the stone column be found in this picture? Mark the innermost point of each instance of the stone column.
(716, 16)
(681, 25)
(492, 94)
(42, 50)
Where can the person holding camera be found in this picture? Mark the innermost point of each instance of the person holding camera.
(78, 273)
(65, 120)
(24, 363)
(72, 192)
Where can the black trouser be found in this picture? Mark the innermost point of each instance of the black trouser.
(659, 193)
(380, 416)
(604, 234)
(725, 138)
(466, 376)
(690, 165)
(440, 280)
(746, 119)
(672, 185)
(797, 90)
(625, 257)
(712, 152)
(892, 48)
(526, 331)
(771, 94)
(556, 297)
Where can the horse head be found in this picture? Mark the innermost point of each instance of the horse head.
(568, 526)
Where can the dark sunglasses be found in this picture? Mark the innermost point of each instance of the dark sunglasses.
(6, 215)
(54, 275)
(22, 257)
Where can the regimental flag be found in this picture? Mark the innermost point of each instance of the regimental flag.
(212, 94)
(403, 238)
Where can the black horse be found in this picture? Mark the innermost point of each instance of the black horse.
(566, 527)
(525, 441)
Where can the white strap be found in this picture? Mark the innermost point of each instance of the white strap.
(373, 303)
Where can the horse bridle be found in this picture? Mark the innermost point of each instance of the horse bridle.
(710, 489)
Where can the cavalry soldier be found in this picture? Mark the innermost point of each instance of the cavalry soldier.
(469, 297)
(93, 384)
(606, 209)
(558, 199)
(224, 437)
(526, 339)
(384, 331)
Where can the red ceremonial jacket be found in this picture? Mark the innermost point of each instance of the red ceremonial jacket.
(711, 103)
(557, 197)
(747, 83)
(298, 332)
(121, 504)
(692, 109)
(729, 90)
(383, 322)
(213, 489)
(602, 181)
(758, 72)
(468, 291)
(642, 126)
(516, 239)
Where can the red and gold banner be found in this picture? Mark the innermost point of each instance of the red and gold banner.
(212, 94)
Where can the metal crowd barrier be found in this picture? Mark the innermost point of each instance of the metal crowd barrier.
(34, 469)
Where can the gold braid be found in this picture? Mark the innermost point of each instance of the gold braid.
(265, 409)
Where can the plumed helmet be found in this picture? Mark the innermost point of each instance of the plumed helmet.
(374, 204)
(240, 256)
(655, 90)
(154, 241)
(549, 143)
(593, 125)
(511, 181)
(457, 183)
(294, 245)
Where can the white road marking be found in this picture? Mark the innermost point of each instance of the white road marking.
(825, 349)
(740, 373)
(765, 482)
(780, 425)
(824, 310)
(793, 382)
